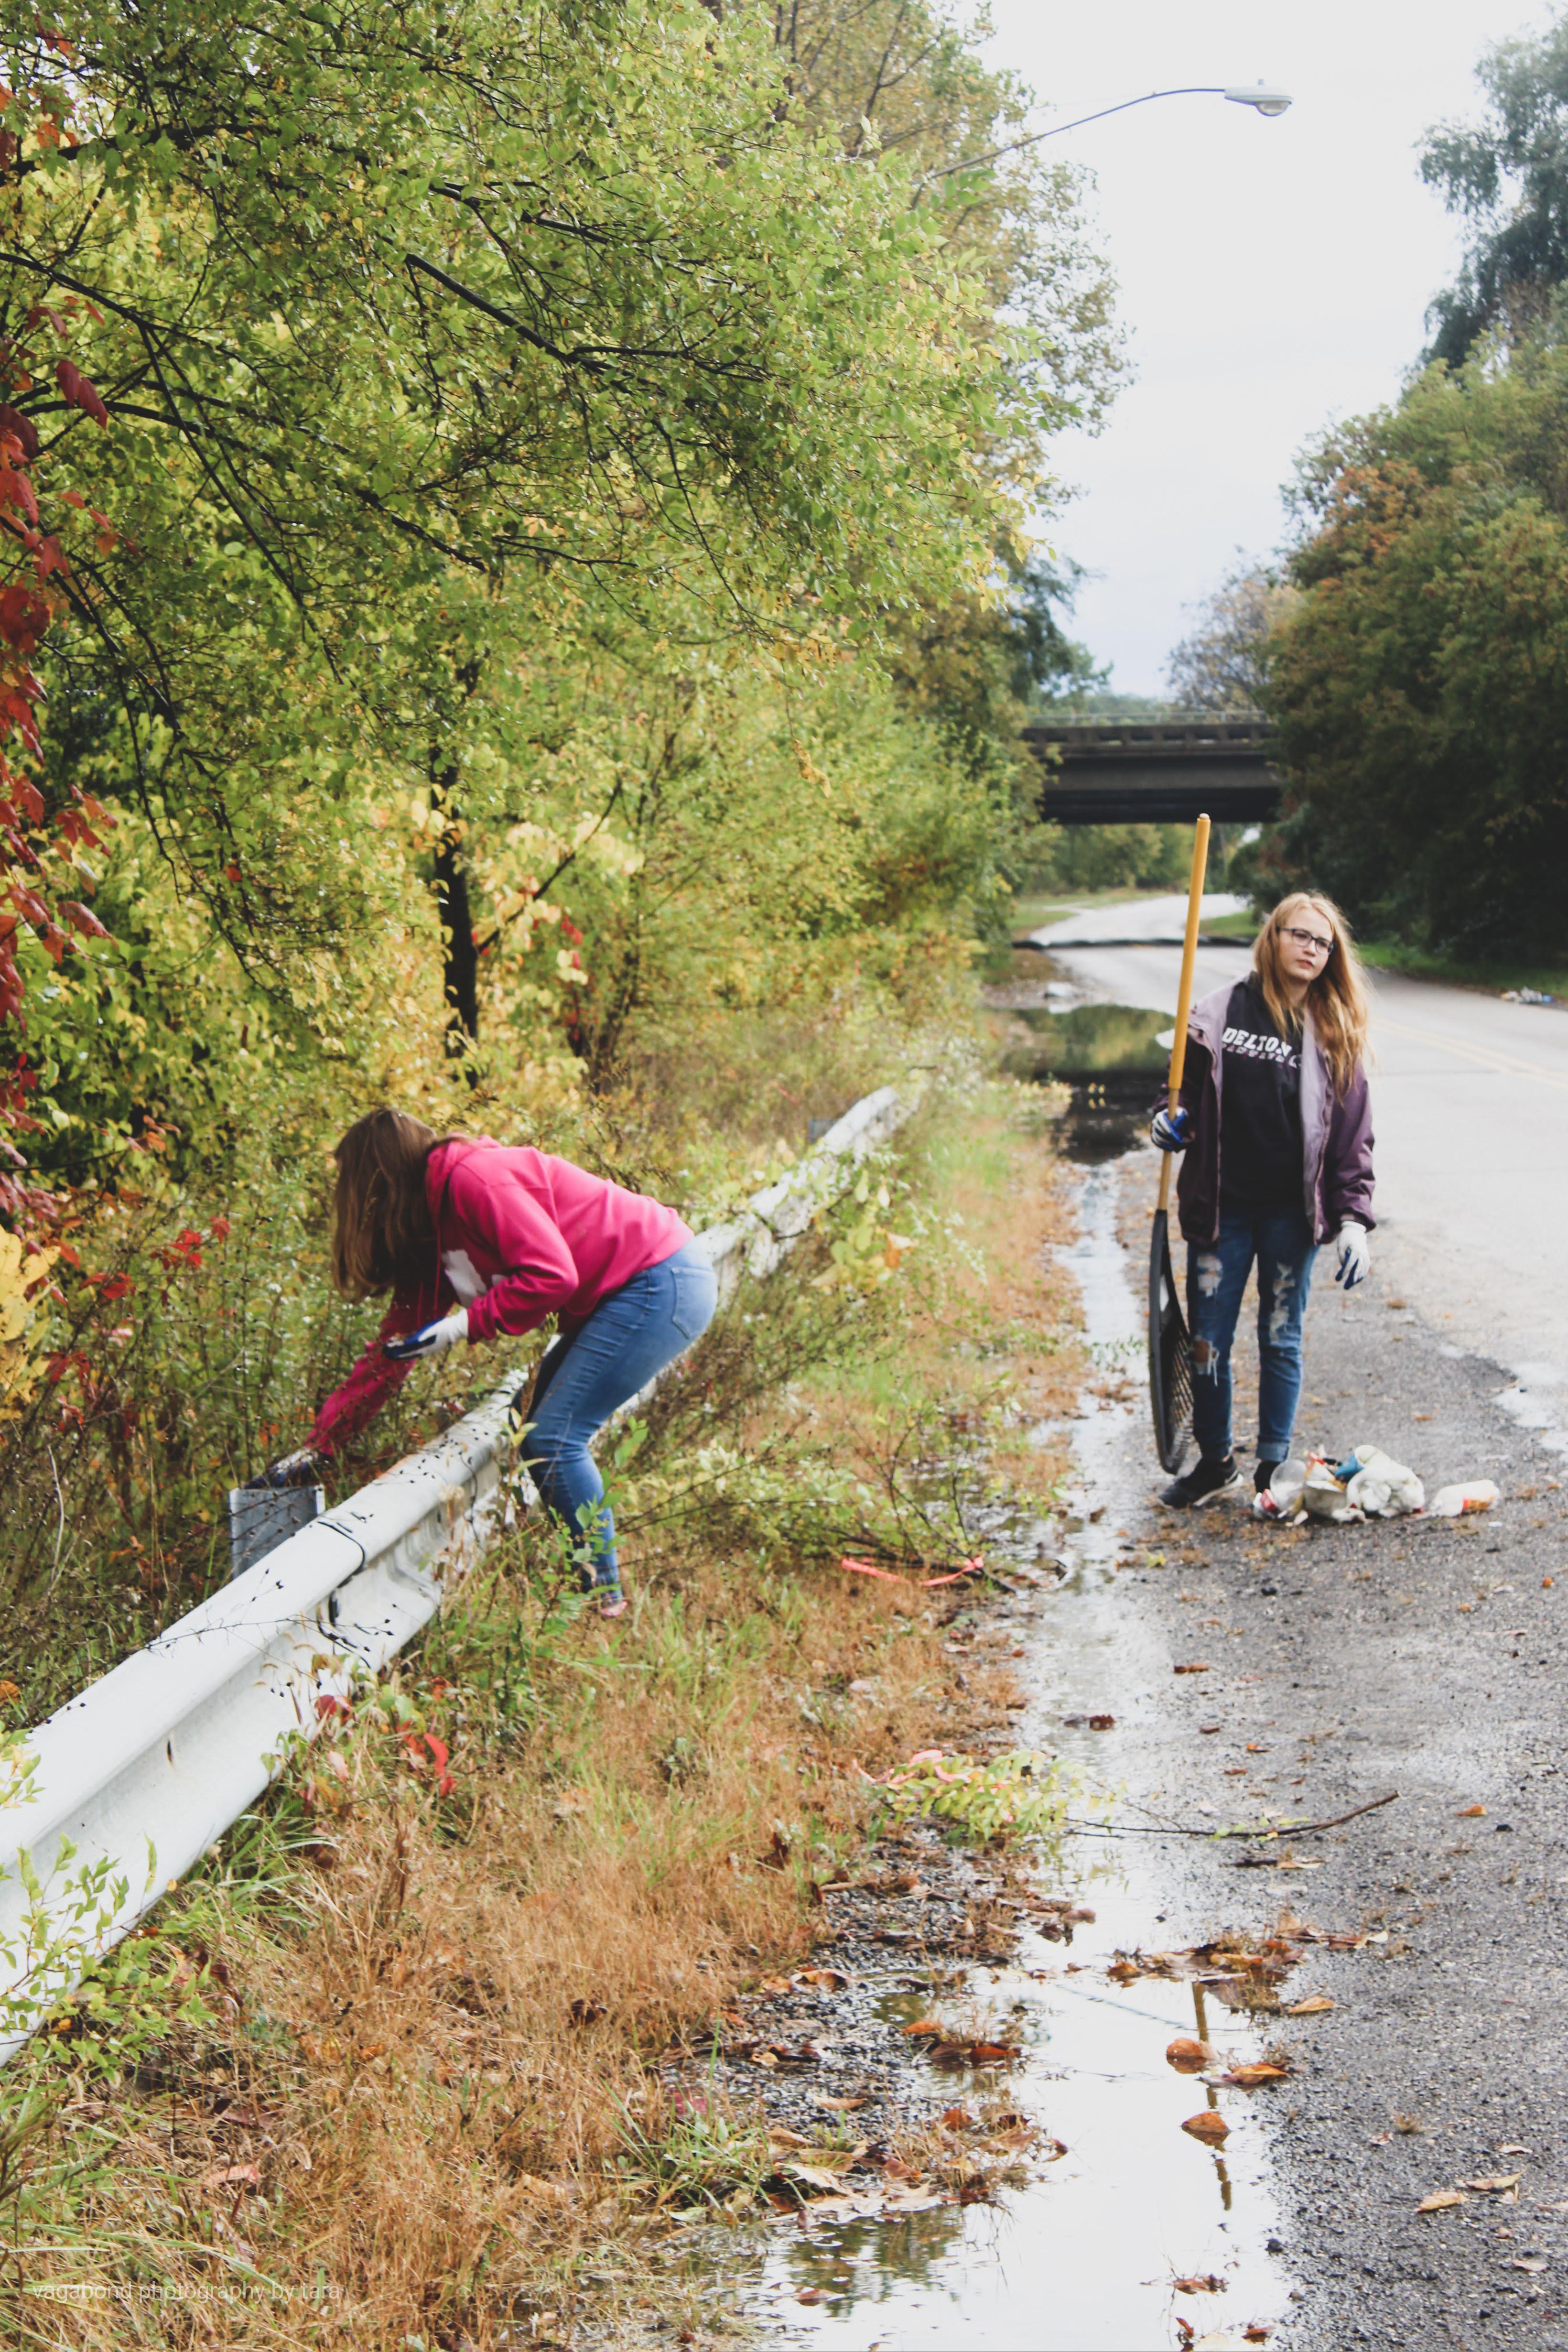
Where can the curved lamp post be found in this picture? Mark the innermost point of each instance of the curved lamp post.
(1264, 97)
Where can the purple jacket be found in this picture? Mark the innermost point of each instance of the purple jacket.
(1336, 1132)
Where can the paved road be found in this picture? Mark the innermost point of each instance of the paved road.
(1162, 918)
(1470, 1111)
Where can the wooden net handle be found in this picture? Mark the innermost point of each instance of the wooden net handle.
(1184, 994)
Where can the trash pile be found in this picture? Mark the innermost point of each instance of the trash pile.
(1526, 996)
(1367, 1485)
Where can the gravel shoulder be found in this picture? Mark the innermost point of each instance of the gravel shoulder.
(1422, 1656)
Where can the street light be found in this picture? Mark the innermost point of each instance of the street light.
(1266, 101)
(1262, 95)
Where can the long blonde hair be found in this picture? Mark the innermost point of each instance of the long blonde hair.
(381, 1232)
(1336, 998)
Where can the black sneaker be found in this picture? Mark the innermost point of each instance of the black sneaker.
(1263, 1477)
(1201, 1483)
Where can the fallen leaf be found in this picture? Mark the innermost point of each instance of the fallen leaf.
(811, 2294)
(1526, 2262)
(1193, 1669)
(814, 2176)
(957, 2119)
(1439, 2201)
(779, 2136)
(1314, 2006)
(1209, 2284)
(1471, 1813)
(921, 2025)
(841, 2106)
(1249, 2077)
(1207, 2125)
(232, 2176)
(1255, 2334)
(1058, 2148)
(828, 1979)
(1187, 2056)
(1494, 2184)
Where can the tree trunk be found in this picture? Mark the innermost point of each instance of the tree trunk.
(460, 957)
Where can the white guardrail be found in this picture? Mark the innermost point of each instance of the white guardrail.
(142, 1772)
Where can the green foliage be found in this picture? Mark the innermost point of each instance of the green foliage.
(1088, 857)
(1418, 686)
(1506, 176)
(541, 603)
(113, 2008)
(1022, 1794)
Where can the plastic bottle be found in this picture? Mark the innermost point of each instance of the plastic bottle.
(1471, 1495)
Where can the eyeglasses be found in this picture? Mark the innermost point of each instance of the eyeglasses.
(1308, 939)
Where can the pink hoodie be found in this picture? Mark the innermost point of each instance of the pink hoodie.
(519, 1235)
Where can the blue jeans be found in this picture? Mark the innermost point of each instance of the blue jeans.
(629, 1337)
(1281, 1243)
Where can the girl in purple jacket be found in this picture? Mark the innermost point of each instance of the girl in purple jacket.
(1276, 1127)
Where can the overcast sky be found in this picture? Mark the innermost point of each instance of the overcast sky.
(1273, 274)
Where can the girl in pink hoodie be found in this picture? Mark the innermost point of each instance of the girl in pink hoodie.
(479, 1241)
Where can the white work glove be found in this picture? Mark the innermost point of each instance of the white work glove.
(1354, 1255)
(430, 1339)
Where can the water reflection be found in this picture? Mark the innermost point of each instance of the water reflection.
(1091, 1041)
(1083, 2257)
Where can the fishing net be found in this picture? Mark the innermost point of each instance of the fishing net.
(1170, 1353)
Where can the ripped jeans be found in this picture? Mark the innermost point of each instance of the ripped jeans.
(1281, 1243)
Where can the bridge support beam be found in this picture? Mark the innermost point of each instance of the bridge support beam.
(1155, 772)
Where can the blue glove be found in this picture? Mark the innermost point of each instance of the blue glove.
(1171, 1129)
(429, 1339)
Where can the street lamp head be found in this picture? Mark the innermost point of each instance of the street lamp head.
(1266, 101)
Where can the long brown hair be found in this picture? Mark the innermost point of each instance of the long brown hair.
(382, 1233)
(1336, 998)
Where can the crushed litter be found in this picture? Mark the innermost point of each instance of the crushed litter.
(1367, 1485)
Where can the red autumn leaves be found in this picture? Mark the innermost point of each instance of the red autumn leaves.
(30, 605)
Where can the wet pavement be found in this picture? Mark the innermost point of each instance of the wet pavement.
(1254, 1675)
(1114, 2206)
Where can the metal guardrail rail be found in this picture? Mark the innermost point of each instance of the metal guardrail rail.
(140, 1774)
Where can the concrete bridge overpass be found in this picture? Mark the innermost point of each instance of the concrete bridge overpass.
(1156, 771)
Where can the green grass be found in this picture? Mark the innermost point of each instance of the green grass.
(1417, 963)
(1241, 926)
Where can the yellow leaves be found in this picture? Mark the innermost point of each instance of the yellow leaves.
(22, 1272)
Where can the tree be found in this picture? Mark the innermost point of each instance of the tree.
(415, 337)
(1507, 175)
(1419, 687)
(1223, 665)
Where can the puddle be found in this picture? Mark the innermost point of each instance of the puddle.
(1111, 1056)
(1091, 1041)
(1083, 2257)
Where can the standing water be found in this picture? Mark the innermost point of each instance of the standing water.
(1137, 2236)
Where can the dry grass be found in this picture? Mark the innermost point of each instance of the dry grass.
(428, 2084)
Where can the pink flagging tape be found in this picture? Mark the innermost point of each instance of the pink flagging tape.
(866, 1567)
